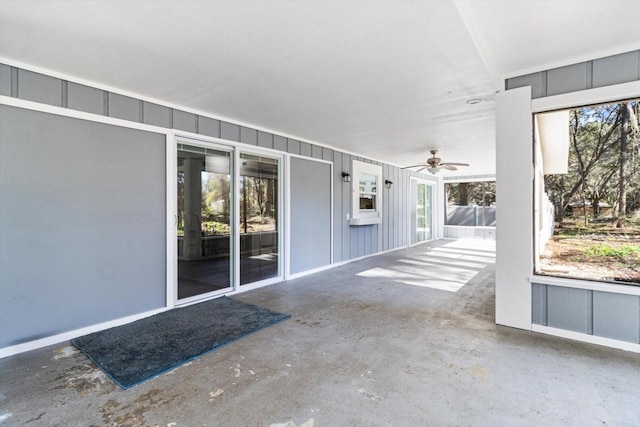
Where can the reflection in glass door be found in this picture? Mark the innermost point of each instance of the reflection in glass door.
(259, 258)
(204, 221)
(421, 212)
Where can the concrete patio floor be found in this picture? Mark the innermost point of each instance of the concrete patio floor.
(401, 339)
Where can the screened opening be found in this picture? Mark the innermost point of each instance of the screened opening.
(588, 204)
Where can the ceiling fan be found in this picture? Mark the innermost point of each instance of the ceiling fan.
(434, 164)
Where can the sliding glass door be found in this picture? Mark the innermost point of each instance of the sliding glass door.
(259, 212)
(228, 220)
(204, 225)
(421, 211)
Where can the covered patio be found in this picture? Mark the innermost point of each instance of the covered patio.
(403, 338)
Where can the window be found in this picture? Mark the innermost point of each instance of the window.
(367, 192)
(367, 201)
(471, 204)
(588, 203)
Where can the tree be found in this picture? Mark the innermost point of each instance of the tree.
(622, 194)
(603, 162)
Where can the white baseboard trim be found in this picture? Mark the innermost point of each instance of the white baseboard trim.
(66, 336)
(591, 339)
(339, 263)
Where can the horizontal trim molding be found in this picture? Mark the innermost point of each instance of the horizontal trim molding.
(586, 97)
(591, 339)
(586, 284)
(66, 336)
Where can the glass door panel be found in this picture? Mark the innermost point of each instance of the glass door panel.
(423, 213)
(204, 221)
(259, 240)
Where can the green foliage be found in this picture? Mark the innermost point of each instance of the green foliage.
(213, 228)
(623, 252)
(595, 157)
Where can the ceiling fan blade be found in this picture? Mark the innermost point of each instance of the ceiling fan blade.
(415, 166)
(454, 164)
(447, 166)
(421, 169)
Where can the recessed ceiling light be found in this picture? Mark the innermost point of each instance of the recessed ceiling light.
(474, 101)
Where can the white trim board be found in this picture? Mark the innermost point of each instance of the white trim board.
(66, 112)
(69, 335)
(613, 288)
(591, 339)
(586, 97)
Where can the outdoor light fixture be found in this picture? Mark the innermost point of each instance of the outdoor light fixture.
(346, 177)
(388, 183)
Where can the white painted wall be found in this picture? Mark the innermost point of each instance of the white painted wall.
(514, 186)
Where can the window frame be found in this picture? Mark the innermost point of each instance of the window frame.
(601, 95)
(366, 216)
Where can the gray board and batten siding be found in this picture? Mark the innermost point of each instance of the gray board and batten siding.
(607, 71)
(82, 220)
(349, 242)
(310, 214)
(603, 314)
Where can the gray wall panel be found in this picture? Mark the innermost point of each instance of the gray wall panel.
(305, 149)
(316, 152)
(124, 107)
(368, 239)
(265, 139)
(229, 131)
(568, 308)
(85, 98)
(616, 316)
(537, 81)
(567, 79)
(5, 80)
(280, 143)
(394, 202)
(539, 304)
(385, 213)
(96, 230)
(327, 154)
(184, 121)
(338, 218)
(156, 115)
(39, 88)
(208, 126)
(346, 208)
(615, 69)
(600, 72)
(310, 215)
(248, 136)
(293, 146)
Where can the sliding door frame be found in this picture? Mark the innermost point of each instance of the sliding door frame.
(280, 224)
(413, 196)
(172, 217)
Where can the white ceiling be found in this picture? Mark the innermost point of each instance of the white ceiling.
(385, 79)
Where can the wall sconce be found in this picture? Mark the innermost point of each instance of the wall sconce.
(346, 177)
(388, 183)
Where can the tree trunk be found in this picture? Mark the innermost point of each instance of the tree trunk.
(622, 192)
(561, 208)
(463, 194)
